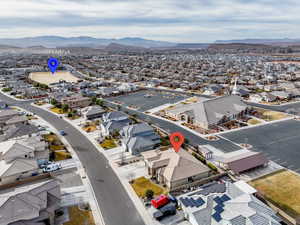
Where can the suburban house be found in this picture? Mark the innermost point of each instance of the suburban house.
(139, 137)
(211, 112)
(226, 203)
(21, 158)
(76, 101)
(7, 114)
(114, 122)
(127, 87)
(94, 112)
(31, 204)
(18, 130)
(174, 169)
(242, 160)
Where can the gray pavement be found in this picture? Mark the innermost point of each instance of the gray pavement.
(170, 127)
(158, 98)
(114, 202)
(278, 141)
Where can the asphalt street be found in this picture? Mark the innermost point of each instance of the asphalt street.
(170, 127)
(115, 204)
(278, 141)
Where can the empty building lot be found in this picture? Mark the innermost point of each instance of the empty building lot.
(279, 141)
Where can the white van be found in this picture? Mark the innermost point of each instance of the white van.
(52, 167)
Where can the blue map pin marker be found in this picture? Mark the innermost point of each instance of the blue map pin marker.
(53, 64)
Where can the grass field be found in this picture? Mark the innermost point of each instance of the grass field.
(49, 78)
(282, 189)
(253, 121)
(271, 115)
(141, 184)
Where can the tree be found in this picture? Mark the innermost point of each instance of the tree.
(94, 99)
(65, 107)
(99, 102)
(53, 101)
(149, 194)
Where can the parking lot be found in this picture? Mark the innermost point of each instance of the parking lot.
(279, 141)
(148, 99)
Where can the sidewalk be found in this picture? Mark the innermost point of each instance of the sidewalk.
(136, 201)
(91, 195)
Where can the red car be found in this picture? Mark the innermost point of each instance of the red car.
(160, 201)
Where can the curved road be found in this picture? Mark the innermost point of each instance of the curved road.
(114, 202)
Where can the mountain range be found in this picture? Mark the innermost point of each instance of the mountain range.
(132, 42)
(82, 41)
(260, 41)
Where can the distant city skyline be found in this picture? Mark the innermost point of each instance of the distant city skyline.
(165, 20)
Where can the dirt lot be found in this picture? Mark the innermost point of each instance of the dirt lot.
(80, 217)
(281, 188)
(49, 78)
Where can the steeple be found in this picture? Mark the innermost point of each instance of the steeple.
(235, 89)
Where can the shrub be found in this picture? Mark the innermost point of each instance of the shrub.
(212, 167)
(199, 157)
(7, 89)
(149, 193)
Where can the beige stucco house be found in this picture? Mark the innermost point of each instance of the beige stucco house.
(174, 169)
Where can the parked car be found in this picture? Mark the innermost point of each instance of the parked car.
(52, 167)
(167, 210)
(62, 132)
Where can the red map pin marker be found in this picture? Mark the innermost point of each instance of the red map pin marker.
(176, 140)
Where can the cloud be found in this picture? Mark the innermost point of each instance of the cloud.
(174, 20)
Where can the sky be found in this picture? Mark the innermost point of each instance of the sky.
(166, 20)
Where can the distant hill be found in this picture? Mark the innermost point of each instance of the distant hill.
(192, 45)
(284, 41)
(82, 41)
(119, 47)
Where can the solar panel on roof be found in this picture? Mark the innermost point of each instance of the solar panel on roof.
(200, 201)
(218, 207)
(184, 202)
(217, 217)
(190, 201)
(193, 201)
(225, 198)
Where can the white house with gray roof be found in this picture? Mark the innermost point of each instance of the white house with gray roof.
(210, 112)
(139, 137)
(226, 204)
